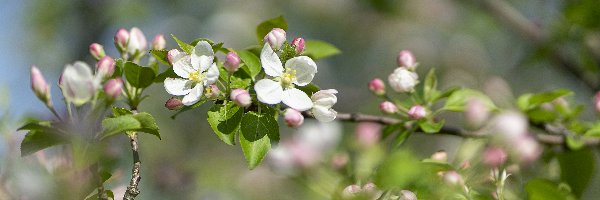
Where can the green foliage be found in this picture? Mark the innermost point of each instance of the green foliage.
(529, 101)
(169, 73)
(577, 169)
(317, 49)
(398, 171)
(40, 136)
(309, 89)
(140, 122)
(258, 130)
(187, 48)
(265, 27)
(251, 63)
(138, 76)
(225, 121)
(458, 100)
(161, 55)
(429, 126)
(541, 189)
(430, 87)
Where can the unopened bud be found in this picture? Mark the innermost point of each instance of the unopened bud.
(351, 191)
(293, 118)
(97, 51)
(403, 80)
(121, 38)
(440, 156)
(212, 92)
(137, 41)
(105, 67)
(368, 134)
(339, 161)
(388, 107)
(371, 191)
(232, 62)
(298, 45)
(407, 195)
(476, 113)
(407, 59)
(377, 86)
(494, 156)
(453, 178)
(159, 42)
(113, 88)
(241, 97)
(527, 149)
(39, 85)
(174, 104)
(597, 101)
(510, 126)
(275, 38)
(417, 112)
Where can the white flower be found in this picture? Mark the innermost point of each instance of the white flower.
(323, 101)
(298, 71)
(137, 41)
(403, 80)
(196, 71)
(78, 84)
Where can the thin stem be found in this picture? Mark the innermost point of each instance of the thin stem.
(133, 190)
(54, 112)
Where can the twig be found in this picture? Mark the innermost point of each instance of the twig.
(132, 189)
(555, 136)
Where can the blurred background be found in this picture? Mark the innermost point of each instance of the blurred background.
(505, 48)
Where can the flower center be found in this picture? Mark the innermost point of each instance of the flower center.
(288, 77)
(196, 76)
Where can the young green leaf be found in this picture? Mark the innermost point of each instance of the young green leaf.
(257, 132)
(309, 89)
(317, 49)
(120, 111)
(529, 101)
(37, 140)
(147, 124)
(187, 48)
(542, 189)
(161, 55)
(458, 100)
(255, 150)
(251, 62)
(225, 121)
(577, 169)
(430, 126)
(430, 87)
(265, 27)
(112, 126)
(138, 76)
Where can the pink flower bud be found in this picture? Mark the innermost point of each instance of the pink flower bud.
(241, 97)
(597, 101)
(172, 54)
(39, 85)
(407, 59)
(113, 88)
(137, 41)
(105, 67)
(174, 104)
(121, 38)
(351, 191)
(275, 38)
(339, 161)
(371, 190)
(494, 156)
(476, 113)
(452, 178)
(159, 42)
(407, 195)
(527, 149)
(417, 112)
(212, 92)
(388, 107)
(97, 51)
(440, 156)
(377, 86)
(232, 62)
(510, 126)
(293, 118)
(368, 134)
(298, 45)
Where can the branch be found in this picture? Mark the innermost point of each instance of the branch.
(555, 136)
(132, 189)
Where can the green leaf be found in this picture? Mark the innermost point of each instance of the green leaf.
(184, 46)
(309, 89)
(255, 151)
(577, 169)
(37, 140)
(147, 124)
(594, 131)
(458, 99)
(225, 121)
(169, 73)
(138, 76)
(390, 129)
(529, 101)
(401, 138)
(398, 171)
(161, 55)
(265, 27)
(317, 49)
(542, 189)
(112, 126)
(251, 62)
(429, 89)
(240, 83)
(36, 126)
(119, 65)
(430, 126)
(120, 111)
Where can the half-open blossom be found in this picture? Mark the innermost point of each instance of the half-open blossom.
(417, 112)
(298, 45)
(196, 71)
(39, 85)
(113, 88)
(78, 84)
(275, 38)
(292, 117)
(407, 59)
(97, 51)
(137, 41)
(403, 80)
(241, 97)
(105, 67)
(121, 38)
(388, 107)
(159, 42)
(322, 102)
(298, 71)
(232, 62)
(212, 92)
(174, 103)
(377, 86)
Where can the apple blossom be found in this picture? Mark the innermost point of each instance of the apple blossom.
(105, 67)
(196, 71)
(292, 117)
(275, 38)
(417, 112)
(339, 161)
(298, 45)
(298, 71)
(39, 85)
(212, 92)
(377, 86)
(97, 51)
(78, 84)
(174, 55)
(403, 80)
(597, 101)
(241, 97)
(159, 42)
(440, 156)
(510, 126)
(174, 104)
(121, 39)
(232, 62)
(322, 102)
(476, 113)
(388, 107)
(368, 134)
(351, 191)
(137, 41)
(494, 156)
(452, 178)
(407, 59)
(113, 88)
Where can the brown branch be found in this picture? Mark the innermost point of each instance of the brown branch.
(555, 136)
(132, 189)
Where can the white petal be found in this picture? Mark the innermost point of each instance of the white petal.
(212, 75)
(78, 83)
(193, 96)
(325, 98)
(137, 41)
(177, 86)
(324, 114)
(202, 56)
(270, 61)
(305, 69)
(268, 91)
(296, 99)
(182, 66)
